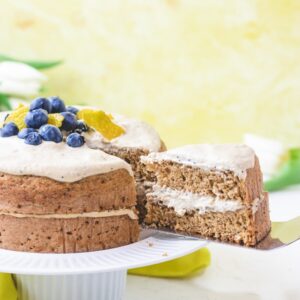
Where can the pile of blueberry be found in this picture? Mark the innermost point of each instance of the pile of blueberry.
(38, 130)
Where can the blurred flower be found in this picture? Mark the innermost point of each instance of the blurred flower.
(19, 79)
(270, 153)
(280, 165)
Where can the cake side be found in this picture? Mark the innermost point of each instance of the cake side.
(38, 214)
(59, 235)
(41, 195)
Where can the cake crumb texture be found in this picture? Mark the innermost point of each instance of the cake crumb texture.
(41, 195)
(143, 178)
(221, 184)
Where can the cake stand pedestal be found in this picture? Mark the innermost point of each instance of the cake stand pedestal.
(95, 275)
(94, 286)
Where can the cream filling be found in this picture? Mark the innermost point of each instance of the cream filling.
(94, 214)
(183, 202)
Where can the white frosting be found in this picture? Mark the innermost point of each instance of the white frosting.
(57, 161)
(233, 157)
(94, 214)
(138, 134)
(183, 201)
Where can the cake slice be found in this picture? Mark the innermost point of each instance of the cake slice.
(213, 191)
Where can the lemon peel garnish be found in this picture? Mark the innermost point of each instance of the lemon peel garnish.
(101, 122)
(55, 119)
(17, 116)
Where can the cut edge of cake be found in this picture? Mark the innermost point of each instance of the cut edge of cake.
(132, 155)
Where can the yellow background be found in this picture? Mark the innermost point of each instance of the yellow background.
(199, 71)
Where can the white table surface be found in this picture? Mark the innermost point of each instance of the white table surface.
(236, 273)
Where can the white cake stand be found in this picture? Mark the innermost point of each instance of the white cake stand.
(95, 275)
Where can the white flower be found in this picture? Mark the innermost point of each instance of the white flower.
(268, 151)
(20, 79)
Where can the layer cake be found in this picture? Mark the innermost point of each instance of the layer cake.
(56, 193)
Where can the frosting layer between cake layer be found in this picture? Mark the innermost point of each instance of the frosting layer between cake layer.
(56, 161)
(224, 157)
(95, 214)
(182, 201)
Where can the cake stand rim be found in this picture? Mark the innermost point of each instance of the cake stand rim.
(185, 247)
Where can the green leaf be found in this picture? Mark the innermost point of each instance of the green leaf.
(288, 174)
(33, 63)
(4, 102)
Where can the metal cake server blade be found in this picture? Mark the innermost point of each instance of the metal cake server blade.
(281, 235)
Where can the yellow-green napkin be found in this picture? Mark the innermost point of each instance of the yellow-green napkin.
(8, 290)
(177, 268)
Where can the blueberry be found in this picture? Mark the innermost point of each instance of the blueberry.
(9, 129)
(42, 103)
(51, 133)
(24, 132)
(70, 122)
(72, 110)
(58, 105)
(81, 127)
(75, 140)
(36, 118)
(33, 138)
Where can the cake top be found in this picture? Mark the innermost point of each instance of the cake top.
(49, 119)
(233, 157)
(138, 134)
(57, 161)
(46, 138)
(84, 124)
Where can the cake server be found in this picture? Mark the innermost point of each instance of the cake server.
(281, 235)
